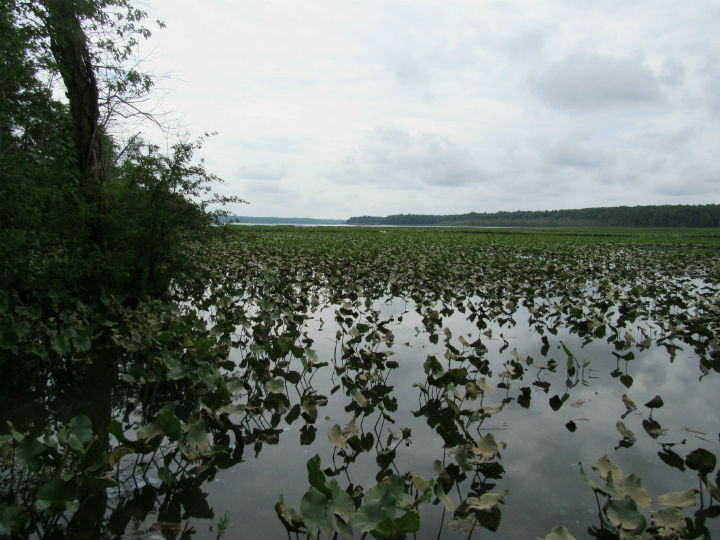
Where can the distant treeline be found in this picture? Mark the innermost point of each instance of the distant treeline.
(705, 215)
(280, 220)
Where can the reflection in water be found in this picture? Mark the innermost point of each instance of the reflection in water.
(471, 411)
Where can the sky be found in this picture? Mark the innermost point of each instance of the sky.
(340, 108)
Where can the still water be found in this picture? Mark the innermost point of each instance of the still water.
(545, 444)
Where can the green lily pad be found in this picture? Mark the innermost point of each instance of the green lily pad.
(624, 514)
(389, 529)
(701, 460)
(655, 403)
(380, 503)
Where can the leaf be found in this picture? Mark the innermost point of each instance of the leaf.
(420, 483)
(653, 428)
(679, 499)
(316, 478)
(380, 503)
(655, 403)
(361, 400)
(168, 422)
(335, 435)
(117, 454)
(629, 403)
(342, 504)
(487, 447)
(28, 452)
(632, 486)
(197, 443)
(13, 518)
(486, 501)
(624, 431)
(397, 528)
(315, 511)
(624, 514)
(669, 518)
(558, 533)
(149, 432)
(447, 502)
(593, 485)
(275, 386)
(605, 466)
(701, 460)
(57, 495)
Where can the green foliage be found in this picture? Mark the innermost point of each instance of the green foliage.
(326, 509)
(707, 215)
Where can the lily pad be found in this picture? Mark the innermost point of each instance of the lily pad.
(558, 533)
(624, 514)
(679, 499)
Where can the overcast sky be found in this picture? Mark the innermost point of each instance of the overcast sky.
(336, 108)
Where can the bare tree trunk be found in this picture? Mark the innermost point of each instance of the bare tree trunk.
(69, 47)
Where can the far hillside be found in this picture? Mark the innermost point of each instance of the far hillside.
(704, 215)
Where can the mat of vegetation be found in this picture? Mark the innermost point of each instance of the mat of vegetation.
(345, 381)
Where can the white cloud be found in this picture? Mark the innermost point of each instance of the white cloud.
(583, 81)
(493, 105)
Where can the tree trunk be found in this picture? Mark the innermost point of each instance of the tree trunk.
(69, 47)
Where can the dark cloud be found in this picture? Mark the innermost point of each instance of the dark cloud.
(586, 82)
(396, 158)
(262, 171)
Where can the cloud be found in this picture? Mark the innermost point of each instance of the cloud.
(396, 158)
(592, 81)
(262, 171)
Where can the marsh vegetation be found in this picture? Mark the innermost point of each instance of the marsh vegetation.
(446, 382)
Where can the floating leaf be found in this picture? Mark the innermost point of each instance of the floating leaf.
(487, 447)
(444, 499)
(624, 431)
(149, 432)
(604, 466)
(58, 495)
(380, 503)
(596, 487)
(397, 528)
(701, 460)
(117, 454)
(679, 499)
(336, 437)
(629, 403)
(558, 533)
(486, 501)
(624, 514)
(653, 428)
(357, 395)
(420, 483)
(655, 403)
(669, 518)
(196, 442)
(275, 386)
(632, 486)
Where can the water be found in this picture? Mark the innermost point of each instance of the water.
(542, 455)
